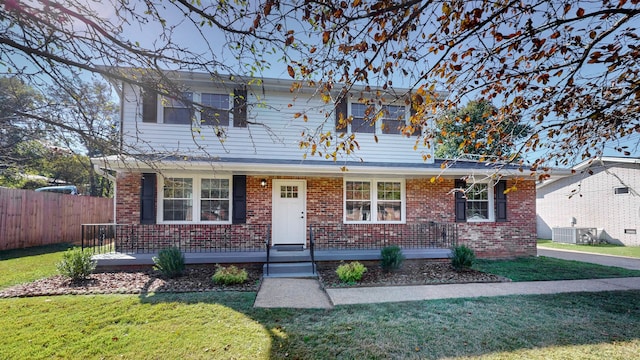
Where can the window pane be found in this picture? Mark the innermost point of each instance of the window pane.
(177, 111)
(216, 111)
(393, 119)
(177, 210)
(389, 191)
(358, 211)
(358, 190)
(214, 199)
(214, 210)
(389, 211)
(177, 203)
(478, 202)
(362, 119)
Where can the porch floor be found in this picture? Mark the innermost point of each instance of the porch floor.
(121, 259)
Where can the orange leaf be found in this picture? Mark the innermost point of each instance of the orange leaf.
(292, 73)
(325, 37)
(580, 12)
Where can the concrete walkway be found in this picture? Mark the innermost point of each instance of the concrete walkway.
(307, 293)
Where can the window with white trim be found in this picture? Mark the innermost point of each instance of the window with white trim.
(477, 202)
(216, 109)
(374, 201)
(195, 199)
(373, 119)
(176, 111)
(212, 109)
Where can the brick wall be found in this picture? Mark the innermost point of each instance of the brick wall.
(128, 186)
(426, 202)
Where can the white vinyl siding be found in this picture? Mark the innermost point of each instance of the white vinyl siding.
(273, 132)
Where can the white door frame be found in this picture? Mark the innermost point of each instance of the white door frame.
(289, 215)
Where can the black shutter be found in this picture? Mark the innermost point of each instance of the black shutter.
(149, 106)
(240, 107)
(501, 201)
(147, 199)
(239, 199)
(341, 112)
(461, 201)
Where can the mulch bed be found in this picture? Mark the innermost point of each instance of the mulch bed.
(197, 278)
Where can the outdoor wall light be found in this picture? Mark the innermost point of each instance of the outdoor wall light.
(263, 183)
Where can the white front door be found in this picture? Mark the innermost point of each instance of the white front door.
(289, 212)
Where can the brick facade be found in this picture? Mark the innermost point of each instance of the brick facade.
(426, 202)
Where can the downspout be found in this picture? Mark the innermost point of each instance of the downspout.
(121, 122)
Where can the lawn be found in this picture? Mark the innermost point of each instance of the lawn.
(543, 268)
(223, 325)
(24, 265)
(605, 249)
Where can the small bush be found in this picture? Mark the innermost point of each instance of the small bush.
(462, 257)
(229, 275)
(76, 264)
(351, 273)
(170, 262)
(391, 258)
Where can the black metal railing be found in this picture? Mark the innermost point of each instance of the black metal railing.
(311, 249)
(430, 235)
(140, 239)
(267, 243)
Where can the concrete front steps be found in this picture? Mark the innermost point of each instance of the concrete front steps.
(290, 270)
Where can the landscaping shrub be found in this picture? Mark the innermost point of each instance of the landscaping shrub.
(391, 258)
(170, 262)
(351, 273)
(76, 264)
(462, 257)
(229, 275)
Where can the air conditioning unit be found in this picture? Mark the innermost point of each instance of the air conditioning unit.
(574, 235)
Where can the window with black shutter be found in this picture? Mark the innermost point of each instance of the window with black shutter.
(461, 201)
(341, 111)
(501, 201)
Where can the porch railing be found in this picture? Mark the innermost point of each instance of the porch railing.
(430, 235)
(197, 238)
(137, 239)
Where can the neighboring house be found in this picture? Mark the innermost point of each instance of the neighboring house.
(238, 175)
(601, 195)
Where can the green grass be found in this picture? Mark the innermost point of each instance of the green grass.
(605, 249)
(543, 268)
(24, 265)
(225, 325)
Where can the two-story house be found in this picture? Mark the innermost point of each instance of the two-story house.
(229, 174)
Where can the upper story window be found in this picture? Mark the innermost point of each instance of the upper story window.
(393, 119)
(178, 111)
(373, 119)
(215, 109)
(374, 201)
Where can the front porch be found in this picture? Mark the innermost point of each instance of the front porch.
(134, 244)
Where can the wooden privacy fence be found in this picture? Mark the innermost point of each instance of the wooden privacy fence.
(29, 218)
